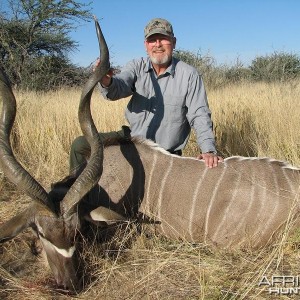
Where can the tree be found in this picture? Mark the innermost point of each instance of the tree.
(34, 33)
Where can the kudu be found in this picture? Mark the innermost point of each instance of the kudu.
(242, 202)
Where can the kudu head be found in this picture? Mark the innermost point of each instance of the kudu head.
(54, 217)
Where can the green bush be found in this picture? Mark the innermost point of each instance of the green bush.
(275, 67)
(50, 72)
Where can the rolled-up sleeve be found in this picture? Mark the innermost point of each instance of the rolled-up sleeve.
(199, 114)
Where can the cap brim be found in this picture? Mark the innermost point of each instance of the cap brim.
(156, 31)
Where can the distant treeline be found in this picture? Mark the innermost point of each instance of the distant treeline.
(48, 73)
(278, 66)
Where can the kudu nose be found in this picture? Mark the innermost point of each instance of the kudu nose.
(70, 287)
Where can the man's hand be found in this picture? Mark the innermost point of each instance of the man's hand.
(211, 160)
(106, 79)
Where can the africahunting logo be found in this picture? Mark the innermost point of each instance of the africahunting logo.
(281, 285)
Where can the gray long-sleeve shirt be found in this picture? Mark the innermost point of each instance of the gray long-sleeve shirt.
(163, 108)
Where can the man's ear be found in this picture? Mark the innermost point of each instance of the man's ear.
(174, 42)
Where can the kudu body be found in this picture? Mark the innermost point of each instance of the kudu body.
(242, 202)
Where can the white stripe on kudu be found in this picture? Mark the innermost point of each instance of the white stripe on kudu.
(195, 200)
(151, 174)
(209, 213)
(163, 185)
(68, 253)
(229, 207)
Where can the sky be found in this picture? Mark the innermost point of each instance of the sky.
(225, 29)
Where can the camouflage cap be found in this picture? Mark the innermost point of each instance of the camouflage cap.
(158, 25)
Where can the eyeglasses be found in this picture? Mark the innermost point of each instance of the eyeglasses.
(160, 40)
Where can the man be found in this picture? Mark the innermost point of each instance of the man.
(168, 97)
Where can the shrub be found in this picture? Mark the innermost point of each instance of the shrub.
(275, 67)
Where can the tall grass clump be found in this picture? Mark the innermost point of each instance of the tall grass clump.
(258, 120)
(255, 119)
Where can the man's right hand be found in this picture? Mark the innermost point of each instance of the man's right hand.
(106, 79)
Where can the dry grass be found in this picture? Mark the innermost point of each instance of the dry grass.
(257, 119)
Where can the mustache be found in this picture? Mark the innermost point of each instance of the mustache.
(158, 49)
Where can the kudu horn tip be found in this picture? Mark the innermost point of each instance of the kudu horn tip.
(96, 19)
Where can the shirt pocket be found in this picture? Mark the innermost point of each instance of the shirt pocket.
(175, 109)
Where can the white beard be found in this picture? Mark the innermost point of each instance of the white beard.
(160, 61)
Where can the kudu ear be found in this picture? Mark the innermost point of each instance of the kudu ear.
(17, 224)
(103, 214)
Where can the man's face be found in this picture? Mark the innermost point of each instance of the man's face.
(160, 48)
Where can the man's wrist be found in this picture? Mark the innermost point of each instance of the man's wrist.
(105, 86)
(212, 152)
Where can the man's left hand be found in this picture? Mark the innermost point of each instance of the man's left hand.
(211, 160)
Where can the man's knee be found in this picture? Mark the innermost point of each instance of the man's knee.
(80, 145)
(79, 152)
